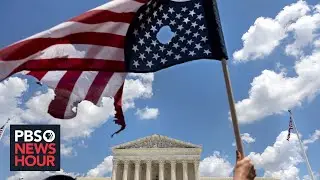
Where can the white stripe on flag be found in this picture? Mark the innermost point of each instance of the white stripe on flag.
(120, 6)
(80, 90)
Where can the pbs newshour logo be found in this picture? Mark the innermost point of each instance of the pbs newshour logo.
(34, 147)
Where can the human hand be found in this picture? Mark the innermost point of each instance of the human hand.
(244, 169)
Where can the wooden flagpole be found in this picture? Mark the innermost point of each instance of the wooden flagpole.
(302, 147)
(232, 107)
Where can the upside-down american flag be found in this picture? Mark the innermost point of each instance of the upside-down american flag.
(2, 129)
(290, 126)
(88, 57)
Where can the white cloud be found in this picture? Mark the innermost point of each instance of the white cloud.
(89, 116)
(147, 113)
(266, 33)
(215, 166)
(316, 176)
(102, 169)
(274, 93)
(290, 173)
(78, 127)
(67, 150)
(137, 86)
(246, 138)
(281, 159)
(10, 91)
(314, 137)
(38, 175)
(304, 30)
(260, 40)
(292, 12)
(281, 155)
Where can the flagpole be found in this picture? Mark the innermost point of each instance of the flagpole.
(302, 147)
(232, 107)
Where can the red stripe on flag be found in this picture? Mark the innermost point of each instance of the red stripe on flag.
(75, 64)
(142, 1)
(101, 16)
(29, 47)
(98, 85)
(63, 91)
(38, 74)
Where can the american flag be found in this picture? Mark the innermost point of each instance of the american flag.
(2, 128)
(290, 126)
(88, 57)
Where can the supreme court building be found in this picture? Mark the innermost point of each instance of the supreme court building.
(156, 157)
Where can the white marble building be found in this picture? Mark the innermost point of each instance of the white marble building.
(156, 157)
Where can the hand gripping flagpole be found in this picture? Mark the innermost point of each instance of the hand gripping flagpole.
(302, 147)
(232, 107)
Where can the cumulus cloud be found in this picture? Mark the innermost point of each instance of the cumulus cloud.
(147, 113)
(274, 93)
(38, 175)
(137, 86)
(260, 40)
(215, 166)
(281, 159)
(10, 91)
(78, 127)
(89, 116)
(267, 33)
(304, 30)
(316, 176)
(246, 138)
(102, 169)
(290, 173)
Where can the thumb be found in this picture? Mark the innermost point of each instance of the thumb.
(238, 155)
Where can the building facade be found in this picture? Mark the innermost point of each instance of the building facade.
(156, 157)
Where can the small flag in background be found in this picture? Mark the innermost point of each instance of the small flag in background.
(87, 57)
(290, 126)
(2, 128)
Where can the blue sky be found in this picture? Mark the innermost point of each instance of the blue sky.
(189, 101)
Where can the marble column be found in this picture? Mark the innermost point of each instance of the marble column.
(148, 171)
(185, 170)
(136, 169)
(196, 169)
(114, 169)
(125, 170)
(161, 169)
(173, 170)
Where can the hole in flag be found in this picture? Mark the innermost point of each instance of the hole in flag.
(165, 35)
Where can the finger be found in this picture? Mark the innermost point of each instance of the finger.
(246, 162)
(238, 154)
(252, 173)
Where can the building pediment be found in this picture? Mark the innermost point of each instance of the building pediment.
(156, 141)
